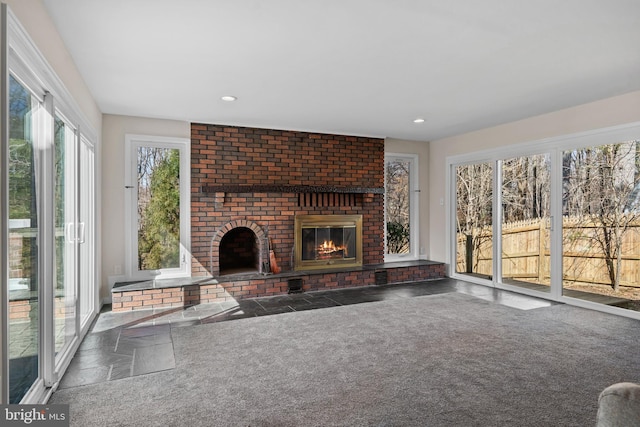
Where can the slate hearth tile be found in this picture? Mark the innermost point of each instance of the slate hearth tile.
(153, 359)
(127, 344)
(325, 303)
(220, 314)
(277, 310)
(119, 372)
(252, 312)
(77, 377)
(110, 320)
(186, 322)
(144, 331)
(103, 340)
(230, 315)
(278, 301)
(353, 299)
(249, 305)
(163, 320)
(227, 305)
(98, 358)
(201, 312)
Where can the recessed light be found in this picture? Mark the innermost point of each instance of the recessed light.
(228, 98)
(418, 120)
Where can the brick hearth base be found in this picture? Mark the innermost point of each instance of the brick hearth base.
(198, 290)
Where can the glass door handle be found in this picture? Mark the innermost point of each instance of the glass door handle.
(69, 233)
(75, 234)
(81, 232)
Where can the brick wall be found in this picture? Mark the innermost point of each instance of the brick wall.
(239, 156)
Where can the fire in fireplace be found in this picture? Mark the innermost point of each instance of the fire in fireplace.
(327, 241)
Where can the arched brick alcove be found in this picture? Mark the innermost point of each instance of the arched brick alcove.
(239, 246)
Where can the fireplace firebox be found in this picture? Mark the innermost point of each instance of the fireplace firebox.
(327, 241)
(239, 252)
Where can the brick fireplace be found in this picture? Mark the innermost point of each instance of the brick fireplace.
(264, 178)
(247, 188)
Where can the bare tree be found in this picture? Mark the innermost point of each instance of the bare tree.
(474, 194)
(601, 186)
(397, 206)
(525, 188)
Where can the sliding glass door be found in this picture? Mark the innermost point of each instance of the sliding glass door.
(473, 219)
(24, 250)
(68, 230)
(601, 227)
(87, 232)
(525, 221)
(560, 217)
(51, 290)
(47, 212)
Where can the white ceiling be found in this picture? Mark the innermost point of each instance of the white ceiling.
(363, 67)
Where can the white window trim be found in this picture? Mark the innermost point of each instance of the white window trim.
(131, 235)
(414, 209)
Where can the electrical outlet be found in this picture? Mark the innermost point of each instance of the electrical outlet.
(117, 269)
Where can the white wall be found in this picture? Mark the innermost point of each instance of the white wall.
(595, 115)
(114, 129)
(422, 150)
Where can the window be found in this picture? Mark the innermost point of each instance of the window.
(474, 198)
(562, 222)
(401, 207)
(601, 219)
(157, 206)
(526, 216)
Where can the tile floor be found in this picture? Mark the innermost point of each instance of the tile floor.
(122, 345)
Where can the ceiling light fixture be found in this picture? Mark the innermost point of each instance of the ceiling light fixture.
(418, 120)
(228, 98)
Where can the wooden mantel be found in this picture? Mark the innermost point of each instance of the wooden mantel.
(230, 188)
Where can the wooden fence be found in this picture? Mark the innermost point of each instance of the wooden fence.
(526, 252)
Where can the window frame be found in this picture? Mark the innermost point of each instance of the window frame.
(132, 141)
(414, 208)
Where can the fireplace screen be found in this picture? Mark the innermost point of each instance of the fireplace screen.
(320, 243)
(326, 241)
